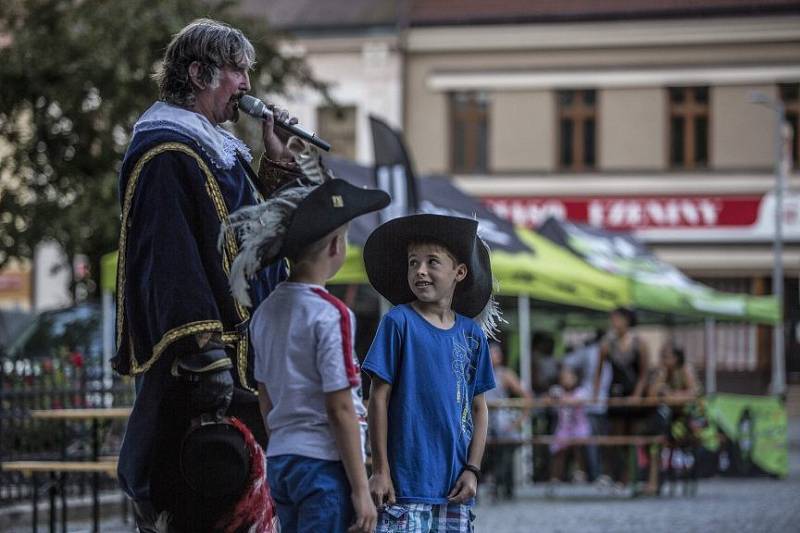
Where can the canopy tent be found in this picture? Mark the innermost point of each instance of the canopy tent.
(563, 263)
(654, 285)
(522, 262)
(576, 268)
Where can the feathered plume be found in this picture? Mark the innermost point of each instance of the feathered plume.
(260, 229)
(491, 316)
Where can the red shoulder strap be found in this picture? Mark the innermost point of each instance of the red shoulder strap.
(346, 328)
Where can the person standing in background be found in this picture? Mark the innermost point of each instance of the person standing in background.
(627, 354)
(504, 423)
(587, 359)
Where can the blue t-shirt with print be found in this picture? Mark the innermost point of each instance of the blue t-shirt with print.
(435, 374)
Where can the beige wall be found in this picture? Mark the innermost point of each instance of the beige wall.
(522, 131)
(426, 122)
(426, 113)
(741, 132)
(632, 129)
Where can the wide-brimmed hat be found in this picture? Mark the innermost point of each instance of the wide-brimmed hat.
(215, 460)
(294, 217)
(329, 206)
(386, 262)
(221, 461)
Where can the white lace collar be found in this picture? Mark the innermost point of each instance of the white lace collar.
(218, 144)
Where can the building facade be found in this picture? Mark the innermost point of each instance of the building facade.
(637, 120)
(354, 48)
(631, 116)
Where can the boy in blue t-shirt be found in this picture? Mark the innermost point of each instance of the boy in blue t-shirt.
(430, 366)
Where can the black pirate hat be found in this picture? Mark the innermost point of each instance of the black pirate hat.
(329, 206)
(215, 460)
(386, 262)
(221, 462)
(294, 217)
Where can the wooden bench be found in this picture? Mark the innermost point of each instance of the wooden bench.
(96, 466)
(57, 471)
(108, 467)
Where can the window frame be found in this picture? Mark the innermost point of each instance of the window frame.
(688, 140)
(324, 130)
(578, 164)
(792, 106)
(469, 166)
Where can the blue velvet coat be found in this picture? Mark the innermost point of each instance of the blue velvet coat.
(172, 279)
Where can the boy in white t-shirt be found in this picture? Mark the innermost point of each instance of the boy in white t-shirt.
(308, 378)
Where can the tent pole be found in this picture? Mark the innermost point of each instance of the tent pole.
(711, 355)
(523, 460)
(107, 309)
(524, 315)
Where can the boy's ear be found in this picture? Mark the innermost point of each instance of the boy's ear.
(461, 272)
(335, 244)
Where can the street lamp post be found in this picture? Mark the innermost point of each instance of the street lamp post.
(778, 382)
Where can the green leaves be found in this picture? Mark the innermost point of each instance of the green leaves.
(74, 76)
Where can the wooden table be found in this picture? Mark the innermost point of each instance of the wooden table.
(114, 413)
(108, 466)
(96, 466)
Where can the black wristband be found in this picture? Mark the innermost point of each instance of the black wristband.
(474, 469)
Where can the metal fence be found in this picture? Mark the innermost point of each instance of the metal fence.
(56, 383)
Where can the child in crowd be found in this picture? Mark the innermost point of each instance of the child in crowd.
(430, 368)
(573, 423)
(308, 379)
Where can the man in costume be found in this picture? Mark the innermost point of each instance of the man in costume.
(179, 331)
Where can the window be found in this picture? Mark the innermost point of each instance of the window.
(790, 95)
(337, 125)
(469, 132)
(688, 125)
(577, 123)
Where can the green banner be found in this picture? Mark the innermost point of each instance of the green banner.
(757, 425)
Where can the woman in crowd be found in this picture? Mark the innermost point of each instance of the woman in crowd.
(674, 377)
(627, 354)
(504, 423)
(675, 380)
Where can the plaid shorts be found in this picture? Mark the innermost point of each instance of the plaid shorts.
(425, 518)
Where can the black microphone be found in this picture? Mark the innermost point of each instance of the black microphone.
(256, 108)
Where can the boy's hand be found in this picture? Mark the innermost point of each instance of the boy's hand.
(381, 489)
(465, 489)
(366, 515)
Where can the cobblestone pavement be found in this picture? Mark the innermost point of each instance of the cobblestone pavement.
(742, 506)
(721, 505)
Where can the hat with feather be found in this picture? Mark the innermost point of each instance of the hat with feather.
(386, 263)
(295, 216)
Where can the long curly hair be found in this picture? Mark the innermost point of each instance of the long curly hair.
(213, 45)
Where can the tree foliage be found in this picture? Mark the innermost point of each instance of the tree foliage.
(74, 77)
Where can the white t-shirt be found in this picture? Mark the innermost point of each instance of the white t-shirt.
(303, 340)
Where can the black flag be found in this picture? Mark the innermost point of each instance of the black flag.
(393, 171)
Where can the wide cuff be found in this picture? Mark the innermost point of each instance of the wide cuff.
(272, 175)
(171, 337)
